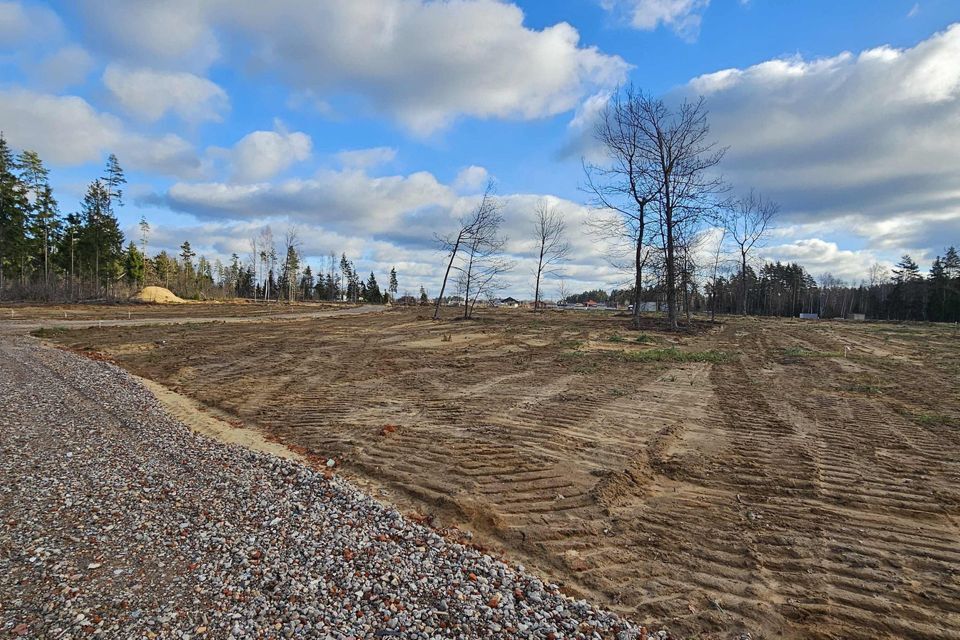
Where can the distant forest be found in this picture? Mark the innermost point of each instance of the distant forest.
(779, 289)
(84, 256)
(45, 255)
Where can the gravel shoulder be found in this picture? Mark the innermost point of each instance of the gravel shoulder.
(117, 521)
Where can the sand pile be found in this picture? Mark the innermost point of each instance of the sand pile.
(156, 294)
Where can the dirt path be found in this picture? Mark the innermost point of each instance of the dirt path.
(18, 326)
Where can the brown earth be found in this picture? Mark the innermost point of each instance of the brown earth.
(785, 478)
(19, 312)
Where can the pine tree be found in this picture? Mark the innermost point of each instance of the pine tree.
(101, 241)
(423, 296)
(372, 293)
(394, 286)
(114, 179)
(134, 264)
(14, 215)
(187, 276)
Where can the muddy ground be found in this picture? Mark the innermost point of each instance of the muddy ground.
(785, 478)
(16, 312)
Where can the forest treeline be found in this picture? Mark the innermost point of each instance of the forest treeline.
(777, 289)
(45, 255)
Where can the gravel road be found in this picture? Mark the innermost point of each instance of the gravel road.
(119, 522)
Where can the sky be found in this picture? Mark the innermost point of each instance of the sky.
(370, 126)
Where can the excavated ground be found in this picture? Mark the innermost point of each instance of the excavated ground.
(784, 478)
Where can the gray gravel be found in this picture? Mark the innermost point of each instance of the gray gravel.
(119, 522)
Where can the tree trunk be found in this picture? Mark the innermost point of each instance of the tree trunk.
(638, 273)
(446, 274)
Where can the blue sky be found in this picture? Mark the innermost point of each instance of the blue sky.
(368, 126)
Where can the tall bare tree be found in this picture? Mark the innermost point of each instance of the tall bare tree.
(684, 160)
(552, 246)
(625, 183)
(748, 220)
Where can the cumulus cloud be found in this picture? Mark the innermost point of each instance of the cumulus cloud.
(67, 66)
(869, 137)
(22, 23)
(173, 34)
(471, 178)
(423, 63)
(367, 158)
(261, 155)
(68, 130)
(820, 256)
(149, 94)
(683, 16)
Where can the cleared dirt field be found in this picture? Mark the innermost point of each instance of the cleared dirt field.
(785, 478)
(16, 312)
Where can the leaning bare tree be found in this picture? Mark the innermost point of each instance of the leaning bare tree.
(748, 220)
(625, 183)
(552, 246)
(453, 244)
(483, 261)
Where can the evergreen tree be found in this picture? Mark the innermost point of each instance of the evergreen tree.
(423, 296)
(101, 241)
(114, 179)
(14, 216)
(134, 264)
(372, 293)
(394, 286)
(187, 274)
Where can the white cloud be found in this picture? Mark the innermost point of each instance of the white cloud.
(168, 34)
(22, 23)
(366, 158)
(423, 63)
(261, 155)
(856, 137)
(471, 178)
(820, 256)
(683, 16)
(149, 94)
(68, 130)
(63, 68)
(914, 10)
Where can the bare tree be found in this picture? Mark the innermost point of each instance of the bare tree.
(626, 183)
(466, 230)
(483, 263)
(684, 161)
(552, 245)
(748, 220)
(716, 269)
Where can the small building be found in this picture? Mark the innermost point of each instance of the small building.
(809, 316)
(510, 303)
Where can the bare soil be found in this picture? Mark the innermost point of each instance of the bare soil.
(785, 478)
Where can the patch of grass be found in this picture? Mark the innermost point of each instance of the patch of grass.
(616, 338)
(800, 352)
(643, 338)
(44, 332)
(672, 354)
(617, 392)
(871, 389)
(928, 419)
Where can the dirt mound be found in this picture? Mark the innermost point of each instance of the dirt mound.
(156, 295)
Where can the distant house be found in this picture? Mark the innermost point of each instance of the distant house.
(510, 303)
(590, 304)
